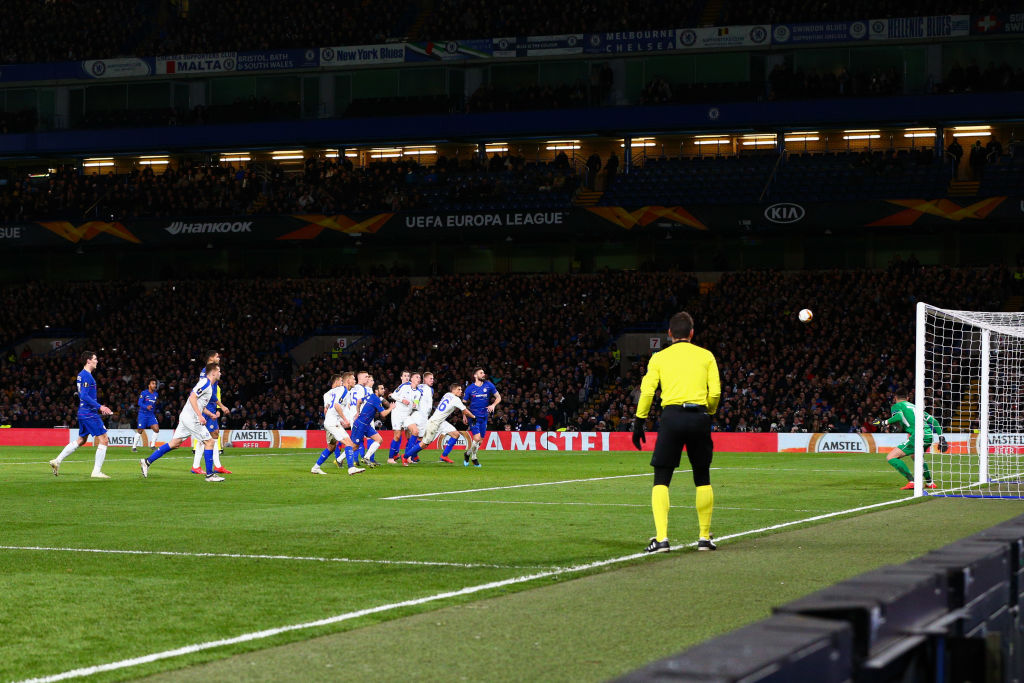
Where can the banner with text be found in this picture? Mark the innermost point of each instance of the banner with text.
(959, 444)
(362, 55)
(210, 63)
(277, 60)
(989, 24)
(909, 28)
(541, 46)
(819, 32)
(630, 41)
(448, 50)
(712, 37)
(129, 67)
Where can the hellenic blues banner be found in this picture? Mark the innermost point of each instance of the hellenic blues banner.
(819, 32)
(941, 26)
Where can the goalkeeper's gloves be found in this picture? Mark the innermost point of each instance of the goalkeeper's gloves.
(879, 423)
(943, 444)
(638, 433)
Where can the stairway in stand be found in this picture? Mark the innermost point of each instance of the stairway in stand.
(587, 198)
(963, 188)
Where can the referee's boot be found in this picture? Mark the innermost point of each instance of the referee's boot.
(656, 546)
(706, 544)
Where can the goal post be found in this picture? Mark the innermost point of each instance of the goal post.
(969, 377)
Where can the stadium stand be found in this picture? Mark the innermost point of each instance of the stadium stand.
(839, 368)
(323, 187)
(735, 12)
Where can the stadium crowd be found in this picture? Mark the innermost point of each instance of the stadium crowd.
(324, 186)
(547, 341)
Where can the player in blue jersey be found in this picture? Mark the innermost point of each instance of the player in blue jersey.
(363, 425)
(478, 397)
(147, 415)
(90, 421)
(192, 424)
(211, 411)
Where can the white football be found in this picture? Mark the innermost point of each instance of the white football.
(805, 315)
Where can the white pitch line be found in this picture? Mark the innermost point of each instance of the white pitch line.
(521, 486)
(620, 505)
(469, 590)
(240, 556)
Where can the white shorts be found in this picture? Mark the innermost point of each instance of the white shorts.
(335, 433)
(432, 431)
(400, 420)
(419, 420)
(191, 428)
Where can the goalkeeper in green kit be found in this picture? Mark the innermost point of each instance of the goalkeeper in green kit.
(903, 414)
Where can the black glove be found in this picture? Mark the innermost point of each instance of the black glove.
(638, 433)
(943, 444)
(879, 423)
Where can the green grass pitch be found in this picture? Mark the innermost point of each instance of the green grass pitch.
(526, 568)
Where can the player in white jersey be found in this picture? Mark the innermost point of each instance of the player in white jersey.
(335, 424)
(396, 436)
(418, 421)
(405, 397)
(192, 423)
(438, 423)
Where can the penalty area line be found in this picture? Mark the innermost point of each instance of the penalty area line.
(242, 556)
(469, 590)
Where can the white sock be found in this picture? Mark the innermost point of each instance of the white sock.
(138, 440)
(216, 453)
(101, 454)
(68, 450)
(374, 445)
(197, 459)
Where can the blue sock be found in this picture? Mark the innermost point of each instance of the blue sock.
(396, 444)
(208, 457)
(412, 446)
(324, 454)
(158, 453)
(350, 457)
(449, 446)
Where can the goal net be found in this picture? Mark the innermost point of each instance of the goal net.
(969, 376)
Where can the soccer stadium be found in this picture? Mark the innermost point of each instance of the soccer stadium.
(512, 341)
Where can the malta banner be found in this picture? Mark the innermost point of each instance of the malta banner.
(214, 62)
(715, 37)
(359, 55)
(629, 41)
(911, 28)
(819, 32)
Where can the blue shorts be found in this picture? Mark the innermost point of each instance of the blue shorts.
(211, 425)
(362, 430)
(478, 425)
(90, 425)
(146, 419)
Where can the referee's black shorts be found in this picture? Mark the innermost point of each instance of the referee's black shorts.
(685, 428)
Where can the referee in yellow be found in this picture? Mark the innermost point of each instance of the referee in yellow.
(690, 390)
